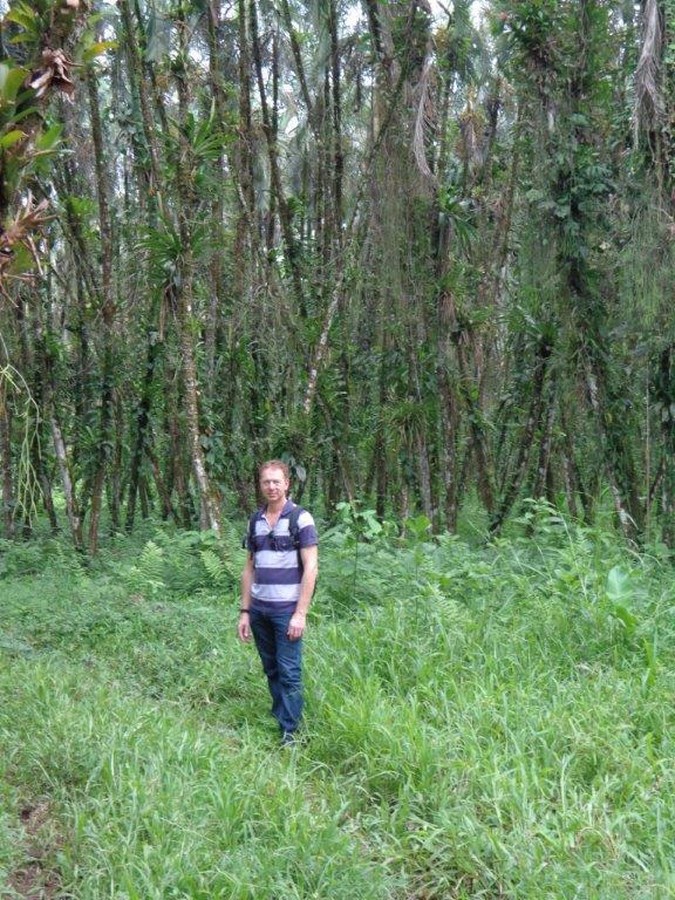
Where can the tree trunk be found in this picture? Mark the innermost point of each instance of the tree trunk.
(107, 305)
(139, 83)
(665, 394)
(525, 442)
(278, 196)
(542, 478)
(424, 468)
(142, 426)
(217, 297)
(209, 512)
(8, 498)
(628, 524)
(67, 484)
(468, 390)
(162, 491)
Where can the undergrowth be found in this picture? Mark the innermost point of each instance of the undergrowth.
(486, 722)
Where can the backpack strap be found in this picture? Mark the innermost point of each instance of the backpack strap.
(293, 528)
(248, 542)
(294, 532)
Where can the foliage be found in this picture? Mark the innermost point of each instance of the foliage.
(483, 724)
(423, 258)
(37, 64)
(177, 565)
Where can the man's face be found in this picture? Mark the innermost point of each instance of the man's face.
(273, 484)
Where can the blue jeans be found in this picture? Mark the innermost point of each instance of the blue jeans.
(282, 663)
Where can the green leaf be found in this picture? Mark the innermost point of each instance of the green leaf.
(11, 80)
(627, 619)
(22, 260)
(24, 114)
(22, 38)
(418, 526)
(79, 206)
(98, 49)
(618, 586)
(11, 138)
(48, 140)
(620, 592)
(25, 18)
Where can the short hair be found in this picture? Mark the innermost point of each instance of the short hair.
(275, 464)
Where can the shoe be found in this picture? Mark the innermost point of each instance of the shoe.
(289, 739)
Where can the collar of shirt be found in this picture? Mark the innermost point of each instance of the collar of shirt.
(286, 511)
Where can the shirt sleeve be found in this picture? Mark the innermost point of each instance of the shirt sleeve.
(307, 533)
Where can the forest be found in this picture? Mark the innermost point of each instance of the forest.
(422, 253)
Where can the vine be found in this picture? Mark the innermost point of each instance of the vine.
(28, 491)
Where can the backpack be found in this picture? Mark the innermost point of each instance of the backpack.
(293, 531)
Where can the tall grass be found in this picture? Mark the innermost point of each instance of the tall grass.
(491, 722)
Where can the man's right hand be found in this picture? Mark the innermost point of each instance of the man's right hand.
(244, 627)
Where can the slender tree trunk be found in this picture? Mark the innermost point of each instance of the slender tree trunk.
(32, 361)
(105, 443)
(247, 236)
(569, 480)
(142, 426)
(209, 512)
(468, 389)
(40, 393)
(67, 484)
(269, 129)
(179, 463)
(500, 240)
(526, 440)
(299, 67)
(115, 493)
(543, 474)
(380, 448)
(86, 298)
(424, 468)
(450, 419)
(629, 526)
(162, 491)
(666, 396)
(140, 84)
(146, 162)
(337, 138)
(449, 440)
(419, 442)
(144, 498)
(44, 363)
(8, 498)
(216, 269)
(45, 486)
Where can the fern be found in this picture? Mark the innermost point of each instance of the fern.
(218, 569)
(147, 576)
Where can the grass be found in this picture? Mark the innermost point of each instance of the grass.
(491, 722)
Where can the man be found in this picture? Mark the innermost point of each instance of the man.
(276, 589)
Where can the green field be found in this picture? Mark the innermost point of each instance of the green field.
(482, 721)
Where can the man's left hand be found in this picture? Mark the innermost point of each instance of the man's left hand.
(296, 626)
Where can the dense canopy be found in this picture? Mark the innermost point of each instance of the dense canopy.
(423, 252)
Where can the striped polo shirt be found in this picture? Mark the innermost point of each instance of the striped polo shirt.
(277, 569)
